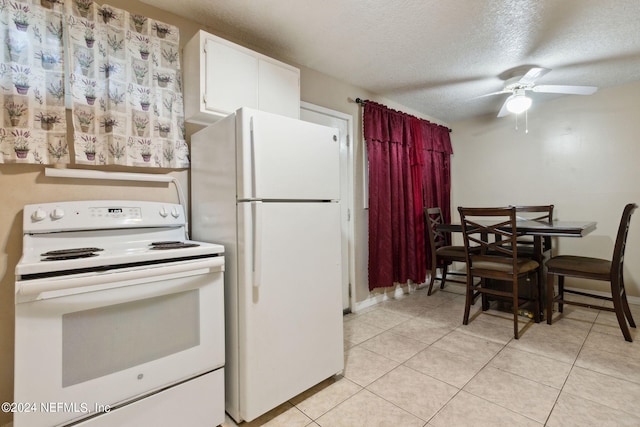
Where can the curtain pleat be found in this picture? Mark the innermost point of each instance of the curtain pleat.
(417, 166)
(32, 117)
(408, 170)
(380, 222)
(437, 174)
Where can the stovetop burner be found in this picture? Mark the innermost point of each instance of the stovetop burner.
(70, 256)
(172, 245)
(72, 253)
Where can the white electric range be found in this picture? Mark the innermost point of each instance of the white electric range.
(119, 318)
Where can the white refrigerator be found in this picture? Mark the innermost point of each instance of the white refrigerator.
(267, 187)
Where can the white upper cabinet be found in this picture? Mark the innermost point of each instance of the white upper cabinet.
(220, 77)
(230, 78)
(278, 88)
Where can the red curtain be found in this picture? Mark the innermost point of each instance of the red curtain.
(408, 170)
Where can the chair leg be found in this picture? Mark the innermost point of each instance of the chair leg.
(484, 299)
(619, 310)
(444, 276)
(627, 310)
(549, 297)
(625, 305)
(537, 306)
(515, 308)
(433, 279)
(617, 304)
(468, 300)
(485, 302)
(561, 294)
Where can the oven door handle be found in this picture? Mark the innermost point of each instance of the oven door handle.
(123, 278)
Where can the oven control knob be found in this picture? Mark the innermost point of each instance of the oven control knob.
(38, 215)
(163, 212)
(175, 213)
(57, 213)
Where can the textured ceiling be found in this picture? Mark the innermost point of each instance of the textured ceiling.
(435, 56)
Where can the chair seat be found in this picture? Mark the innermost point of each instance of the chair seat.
(571, 265)
(524, 265)
(452, 252)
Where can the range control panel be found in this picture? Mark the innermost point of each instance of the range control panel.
(99, 215)
(119, 212)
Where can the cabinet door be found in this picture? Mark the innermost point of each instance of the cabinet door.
(278, 89)
(231, 80)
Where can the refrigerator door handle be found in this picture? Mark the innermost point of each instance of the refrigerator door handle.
(257, 244)
(255, 173)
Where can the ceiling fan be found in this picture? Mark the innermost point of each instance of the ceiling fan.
(518, 102)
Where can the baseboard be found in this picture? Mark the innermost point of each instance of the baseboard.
(632, 300)
(401, 290)
(388, 294)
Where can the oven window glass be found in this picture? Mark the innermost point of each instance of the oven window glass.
(105, 340)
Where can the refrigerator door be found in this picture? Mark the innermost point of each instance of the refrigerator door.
(280, 158)
(289, 301)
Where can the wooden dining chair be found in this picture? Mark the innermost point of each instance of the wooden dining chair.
(443, 254)
(490, 239)
(594, 269)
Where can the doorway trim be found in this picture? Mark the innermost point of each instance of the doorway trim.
(347, 187)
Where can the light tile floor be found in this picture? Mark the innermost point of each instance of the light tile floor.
(411, 362)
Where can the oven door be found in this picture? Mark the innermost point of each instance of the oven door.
(86, 344)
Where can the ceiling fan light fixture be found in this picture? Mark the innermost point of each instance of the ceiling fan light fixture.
(518, 103)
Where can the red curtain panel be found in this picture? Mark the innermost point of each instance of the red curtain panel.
(408, 170)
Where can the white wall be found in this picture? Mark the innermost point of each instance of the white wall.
(581, 154)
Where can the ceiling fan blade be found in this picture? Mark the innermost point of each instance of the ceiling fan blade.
(493, 93)
(532, 75)
(503, 111)
(569, 90)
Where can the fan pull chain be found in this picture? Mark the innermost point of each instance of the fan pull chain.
(526, 122)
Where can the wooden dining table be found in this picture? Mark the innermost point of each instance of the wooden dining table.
(539, 230)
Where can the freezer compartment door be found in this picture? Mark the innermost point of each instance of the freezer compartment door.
(290, 301)
(281, 158)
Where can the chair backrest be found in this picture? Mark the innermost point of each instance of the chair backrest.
(437, 238)
(490, 236)
(621, 241)
(546, 212)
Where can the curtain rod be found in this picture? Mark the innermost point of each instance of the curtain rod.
(362, 102)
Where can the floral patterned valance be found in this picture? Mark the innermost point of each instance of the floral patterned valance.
(125, 86)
